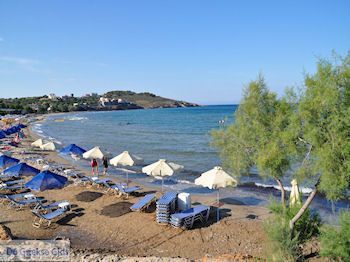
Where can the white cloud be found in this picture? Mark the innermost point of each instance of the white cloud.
(32, 65)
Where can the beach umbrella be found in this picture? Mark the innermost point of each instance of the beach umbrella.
(93, 153)
(294, 193)
(216, 178)
(161, 168)
(21, 169)
(21, 126)
(72, 149)
(50, 146)
(37, 143)
(126, 159)
(46, 180)
(2, 134)
(7, 161)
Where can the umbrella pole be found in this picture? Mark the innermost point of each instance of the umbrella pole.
(218, 203)
(127, 179)
(162, 184)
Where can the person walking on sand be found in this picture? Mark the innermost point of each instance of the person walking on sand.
(94, 167)
(105, 165)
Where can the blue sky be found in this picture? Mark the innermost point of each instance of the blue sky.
(201, 51)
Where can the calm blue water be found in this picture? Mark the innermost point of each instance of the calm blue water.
(180, 135)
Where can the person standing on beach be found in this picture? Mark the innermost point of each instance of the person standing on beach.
(94, 167)
(105, 165)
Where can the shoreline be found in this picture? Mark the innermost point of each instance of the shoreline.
(235, 233)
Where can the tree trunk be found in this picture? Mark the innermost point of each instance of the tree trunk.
(283, 192)
(303, 208)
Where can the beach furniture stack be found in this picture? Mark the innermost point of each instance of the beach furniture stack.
(185, 219)
(166, 206)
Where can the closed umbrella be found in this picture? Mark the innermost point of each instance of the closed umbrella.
(126, 159)
(46, 180)
(38, 143)
(21, 169)
(215, 179)
(294, 193)
(162, 168)
(7, 161)
(93, 153)
(50, 146)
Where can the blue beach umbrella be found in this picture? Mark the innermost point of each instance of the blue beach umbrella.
(2, 134)
(46, 180)
(21, 169)
(73, 149)
(7, 161)
(7, 131)
(21, 126)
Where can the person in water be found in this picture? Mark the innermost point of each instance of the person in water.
(94, 167)
(105, 165)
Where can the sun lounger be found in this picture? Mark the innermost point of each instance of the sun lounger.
(126, 191)
(14, 187)
(19, 204)
(186, 218)
(144, 203)
(113, 187)
(55, 205)
(166, 206)
(45, 220)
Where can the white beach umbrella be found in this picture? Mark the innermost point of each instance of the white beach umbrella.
(50, 146)
(38, 143)
(215, 179)
(162, 168)
(93, 153)
(126, 159)
(294, 193)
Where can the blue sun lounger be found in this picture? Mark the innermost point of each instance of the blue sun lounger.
(186, 218)
(55, 205)
(126, 191)
(46, 219)
(19, 204)
(166, 205)
(144, 203)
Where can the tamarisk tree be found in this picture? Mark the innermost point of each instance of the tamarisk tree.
(324, 120)
(257, 138)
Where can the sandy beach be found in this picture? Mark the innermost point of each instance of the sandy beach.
(102, 225)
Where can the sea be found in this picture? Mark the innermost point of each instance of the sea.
(180, 135)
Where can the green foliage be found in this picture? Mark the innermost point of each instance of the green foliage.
(335, 242)
(283, 246)
(259, 136)
(324, 113)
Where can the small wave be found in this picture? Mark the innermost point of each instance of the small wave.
(77, 118)
(304, 190)
(185, 182)
(38, 125)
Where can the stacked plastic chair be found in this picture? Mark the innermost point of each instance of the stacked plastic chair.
(185, 219)
(166, 206)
